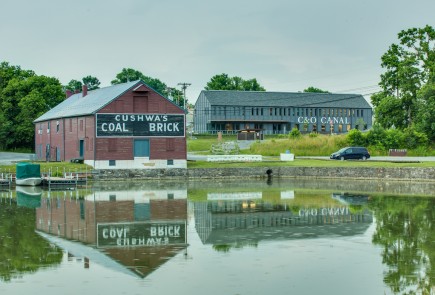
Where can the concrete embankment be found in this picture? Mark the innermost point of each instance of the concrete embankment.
(402, 173)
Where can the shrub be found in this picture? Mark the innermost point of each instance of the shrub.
(295, 133)
(393, 139)
(376, 135)
(356, 138)
(413, 139)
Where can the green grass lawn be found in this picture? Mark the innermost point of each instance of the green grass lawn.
(54, 167)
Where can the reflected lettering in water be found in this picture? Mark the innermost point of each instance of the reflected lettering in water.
(135, 229)
(138, 229)
(246, 218)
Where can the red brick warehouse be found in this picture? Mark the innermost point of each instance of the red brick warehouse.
(124, 126)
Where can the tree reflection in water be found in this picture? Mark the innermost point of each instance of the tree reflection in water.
(21, 249)
(406, 233)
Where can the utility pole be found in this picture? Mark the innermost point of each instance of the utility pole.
(184, 86)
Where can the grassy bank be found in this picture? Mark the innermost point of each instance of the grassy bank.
(53, 167)
(305, 145)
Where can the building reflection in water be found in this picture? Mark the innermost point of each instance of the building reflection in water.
(246, 218)
(137, 230)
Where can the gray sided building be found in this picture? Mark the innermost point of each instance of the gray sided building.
(280, 112)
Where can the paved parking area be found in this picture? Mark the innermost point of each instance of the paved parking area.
(7, 158)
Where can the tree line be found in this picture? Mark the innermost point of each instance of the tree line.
(406, 101)
(25, 96)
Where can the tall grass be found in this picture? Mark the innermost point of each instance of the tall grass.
(304, 145)
(204, 142)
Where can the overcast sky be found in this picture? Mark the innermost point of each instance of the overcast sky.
(287, 45)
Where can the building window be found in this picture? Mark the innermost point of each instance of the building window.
(362, 113)
(170, 162)
(112, 162)
(57, 126)
(357, 113)
(48, 127)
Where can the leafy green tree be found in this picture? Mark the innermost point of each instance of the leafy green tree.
(252, 85)
(315, 90)
(389, 111)
(128, 74)
(22, 101)
(74, 85)
(9, 72)
(425, 121)
(220, 82)
(225, 82)
(91, 82)
(409, 65)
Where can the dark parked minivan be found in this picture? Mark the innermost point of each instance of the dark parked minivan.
(351, 153)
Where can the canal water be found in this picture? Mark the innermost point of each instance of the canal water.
(230, 237)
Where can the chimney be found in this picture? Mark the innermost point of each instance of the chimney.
(68, 93)
(84, 90)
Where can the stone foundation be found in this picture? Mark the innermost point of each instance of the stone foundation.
(406, 173)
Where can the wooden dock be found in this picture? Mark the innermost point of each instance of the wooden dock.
(61, 182)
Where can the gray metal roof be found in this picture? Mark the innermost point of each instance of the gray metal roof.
(285, 99)
(77, 105)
